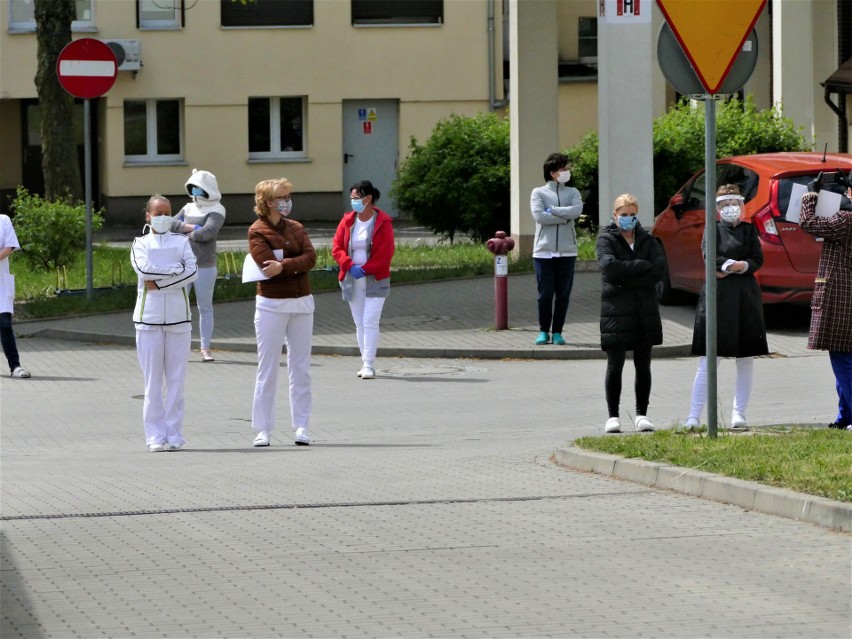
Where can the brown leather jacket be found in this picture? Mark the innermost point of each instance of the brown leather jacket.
(299, 257)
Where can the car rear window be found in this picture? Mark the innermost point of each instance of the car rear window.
(785, 188)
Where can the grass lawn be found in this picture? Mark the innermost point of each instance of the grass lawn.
(803, 459)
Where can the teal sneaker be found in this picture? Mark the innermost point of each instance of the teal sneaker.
(558, 339)
(543, 338)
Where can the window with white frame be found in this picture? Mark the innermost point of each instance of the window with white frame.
(22, 15)
(397, 12)
(276, 127)
(160, 14)
(153, 131)
(268, 13)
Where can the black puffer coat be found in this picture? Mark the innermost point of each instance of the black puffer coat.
(630, 315)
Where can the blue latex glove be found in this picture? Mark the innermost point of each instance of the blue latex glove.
(357, 272)
(548, 211)
(197, 226)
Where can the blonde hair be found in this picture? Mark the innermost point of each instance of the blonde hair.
(728, 189)
(625, 199)
(265, 191)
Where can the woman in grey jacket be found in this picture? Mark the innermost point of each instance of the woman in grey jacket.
(554, 207)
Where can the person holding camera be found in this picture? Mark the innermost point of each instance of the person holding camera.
(831, 317)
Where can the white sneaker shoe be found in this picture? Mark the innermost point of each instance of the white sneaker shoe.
(156, 448)
(692, 422)
(612, 425)
(367, 373)
(302, 438)
(206, 355)
(171, 448)
(21, 373)
(262, 439)
(643, 424)
(738, 422)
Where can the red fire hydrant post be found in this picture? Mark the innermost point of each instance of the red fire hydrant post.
(500, 246)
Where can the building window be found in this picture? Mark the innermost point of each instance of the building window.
(22, 15)
(588, 40)
(160, 14)
(397, 12)
(153, 131)
(276, 127)
(268, 13)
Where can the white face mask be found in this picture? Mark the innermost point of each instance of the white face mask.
(563, 176)
(731, 213)
(161, 223)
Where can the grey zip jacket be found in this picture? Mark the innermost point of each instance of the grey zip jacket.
(554, 231)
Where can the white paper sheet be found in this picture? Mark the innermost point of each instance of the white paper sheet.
(828, 204)
(794, 208)
(252, 272)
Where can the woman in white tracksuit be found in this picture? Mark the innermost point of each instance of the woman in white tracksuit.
(166, 266)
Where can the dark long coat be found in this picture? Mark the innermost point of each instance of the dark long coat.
(630, 314)
(740, 329)
(831, 307)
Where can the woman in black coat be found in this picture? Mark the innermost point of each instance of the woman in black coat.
(741, 331)
(631, 265)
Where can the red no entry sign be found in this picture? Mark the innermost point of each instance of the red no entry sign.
(86, 68)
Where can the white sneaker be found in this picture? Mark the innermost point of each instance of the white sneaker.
(21, 373)
(262, 439)
(738, 422)
(172, 447)
(692, 422)
(156, 448)
(206, 356)
(302, 438)
(367, 373)
(643, 424)
(612, 425)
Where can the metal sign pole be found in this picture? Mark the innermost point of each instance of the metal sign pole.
(87, 146)
(710, 261)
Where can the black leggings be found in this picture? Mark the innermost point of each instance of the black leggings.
(614, 366)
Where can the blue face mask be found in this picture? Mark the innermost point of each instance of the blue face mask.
(358, 205)
(197, 191)
(627, 222)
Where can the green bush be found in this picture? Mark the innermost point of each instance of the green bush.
(458, 181)
(741, 129)
(51, 233)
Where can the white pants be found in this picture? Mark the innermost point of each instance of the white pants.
(163, 353)
(273, 330)
(204, 286)
(742, 391)
(367, 313)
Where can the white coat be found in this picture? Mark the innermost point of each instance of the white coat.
(8, 238)
(168, 260)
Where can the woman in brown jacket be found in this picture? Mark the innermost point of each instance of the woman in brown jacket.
(284, 309)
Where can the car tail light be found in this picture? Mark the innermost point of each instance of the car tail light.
(764, 222)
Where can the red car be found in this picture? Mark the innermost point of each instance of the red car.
(766, 181)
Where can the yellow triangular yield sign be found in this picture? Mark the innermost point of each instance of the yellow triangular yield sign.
(711, 33)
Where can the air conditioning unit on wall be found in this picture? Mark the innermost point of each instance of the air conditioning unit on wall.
(128, 53)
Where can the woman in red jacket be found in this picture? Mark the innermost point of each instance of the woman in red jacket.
(363, 247)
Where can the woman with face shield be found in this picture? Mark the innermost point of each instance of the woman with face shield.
(166, 267)
(741, 332)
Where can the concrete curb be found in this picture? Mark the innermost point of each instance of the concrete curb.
(769, 500)
(665, 351)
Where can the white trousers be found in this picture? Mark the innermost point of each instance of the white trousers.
(204, 285)
(742, 390)
(163, 355)
(367, 313)
(273, 330)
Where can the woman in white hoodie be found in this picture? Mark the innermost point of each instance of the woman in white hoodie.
(166, 267)
(200, 221)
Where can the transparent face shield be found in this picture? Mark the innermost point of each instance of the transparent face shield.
(730, 207)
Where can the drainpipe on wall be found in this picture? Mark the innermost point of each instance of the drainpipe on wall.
(493, 103)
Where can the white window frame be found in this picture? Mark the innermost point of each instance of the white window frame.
(151, 157)
(29, 26)
(275, 152)
(161, 25)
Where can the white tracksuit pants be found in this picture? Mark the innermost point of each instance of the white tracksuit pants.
(367, 313)
(163, 354)
(742, 390)
(273, 330)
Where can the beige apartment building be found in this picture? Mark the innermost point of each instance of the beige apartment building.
(328, 92)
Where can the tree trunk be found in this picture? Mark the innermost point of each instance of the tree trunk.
(58, 145)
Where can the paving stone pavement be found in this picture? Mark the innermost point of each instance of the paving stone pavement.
(428, 506)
